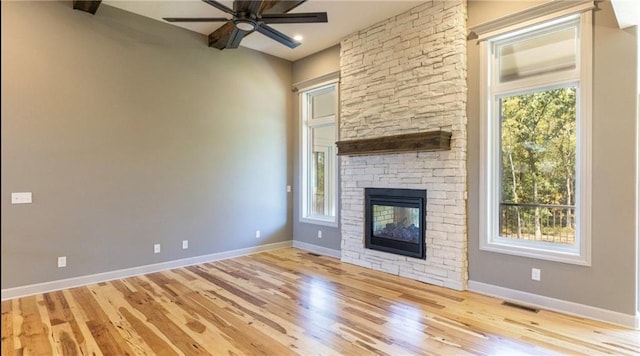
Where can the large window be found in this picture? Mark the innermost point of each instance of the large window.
(319, 106)
(536, 94)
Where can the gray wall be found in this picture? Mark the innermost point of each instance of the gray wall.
(610, 282)
(305, 69)
(131, 132)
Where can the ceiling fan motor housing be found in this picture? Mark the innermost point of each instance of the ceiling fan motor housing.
(245, 22)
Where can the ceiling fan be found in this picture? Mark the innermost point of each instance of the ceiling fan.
(253, 15)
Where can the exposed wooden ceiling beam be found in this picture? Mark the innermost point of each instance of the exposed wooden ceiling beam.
(90, 6)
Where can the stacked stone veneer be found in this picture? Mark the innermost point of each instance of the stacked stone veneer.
(405, 75)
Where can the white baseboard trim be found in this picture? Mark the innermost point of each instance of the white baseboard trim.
(39, 288)
(558, 305)
(317, 249)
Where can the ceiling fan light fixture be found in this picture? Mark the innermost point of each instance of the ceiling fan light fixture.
(245, 25)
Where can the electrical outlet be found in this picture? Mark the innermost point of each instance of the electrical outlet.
(62, 261)
(21, 198)
(257, 234)
(319, 234)
(288, 189)
(156, 248)
(535, 274)
(185, 244)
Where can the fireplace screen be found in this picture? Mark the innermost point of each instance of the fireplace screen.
(394, 221)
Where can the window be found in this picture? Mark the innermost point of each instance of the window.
(319, 106)
(535, 179)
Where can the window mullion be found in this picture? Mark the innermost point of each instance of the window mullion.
(555, 80)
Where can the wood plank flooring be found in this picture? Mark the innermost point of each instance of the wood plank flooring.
(290, 302)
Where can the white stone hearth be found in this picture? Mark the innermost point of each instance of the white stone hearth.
(406, 75)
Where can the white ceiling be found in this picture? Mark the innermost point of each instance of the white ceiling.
(627, 12)
(345, 17)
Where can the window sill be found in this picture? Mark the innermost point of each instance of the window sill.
(537, 252)
(318, 221)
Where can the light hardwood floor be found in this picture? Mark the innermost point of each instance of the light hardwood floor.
(288, 302)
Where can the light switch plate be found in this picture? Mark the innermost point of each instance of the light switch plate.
(21, 198)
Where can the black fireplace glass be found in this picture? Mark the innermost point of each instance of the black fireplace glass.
(396, 222)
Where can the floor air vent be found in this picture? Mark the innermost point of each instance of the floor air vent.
(520, 306)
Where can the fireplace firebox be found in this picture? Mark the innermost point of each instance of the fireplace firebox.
(394, 221)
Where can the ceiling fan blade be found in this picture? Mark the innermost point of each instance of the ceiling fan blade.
(295, 18)
(235, 38)
(279, 6)
(248, 6)
(220, 6)
(195, 19)
(220, 37)
(277, 36)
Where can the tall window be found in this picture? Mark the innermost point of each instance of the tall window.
(319, 107)
(536, 140)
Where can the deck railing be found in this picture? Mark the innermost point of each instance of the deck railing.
(540, 222)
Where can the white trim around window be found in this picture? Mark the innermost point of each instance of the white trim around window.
(312, 210)
(492, 89)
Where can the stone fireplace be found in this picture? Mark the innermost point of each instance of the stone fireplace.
(402, 76)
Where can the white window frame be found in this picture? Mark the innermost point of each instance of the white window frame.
(490, 92)
(306, 151)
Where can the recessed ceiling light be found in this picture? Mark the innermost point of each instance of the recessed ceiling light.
(297, 38)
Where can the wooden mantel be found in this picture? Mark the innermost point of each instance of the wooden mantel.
(422, 141)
